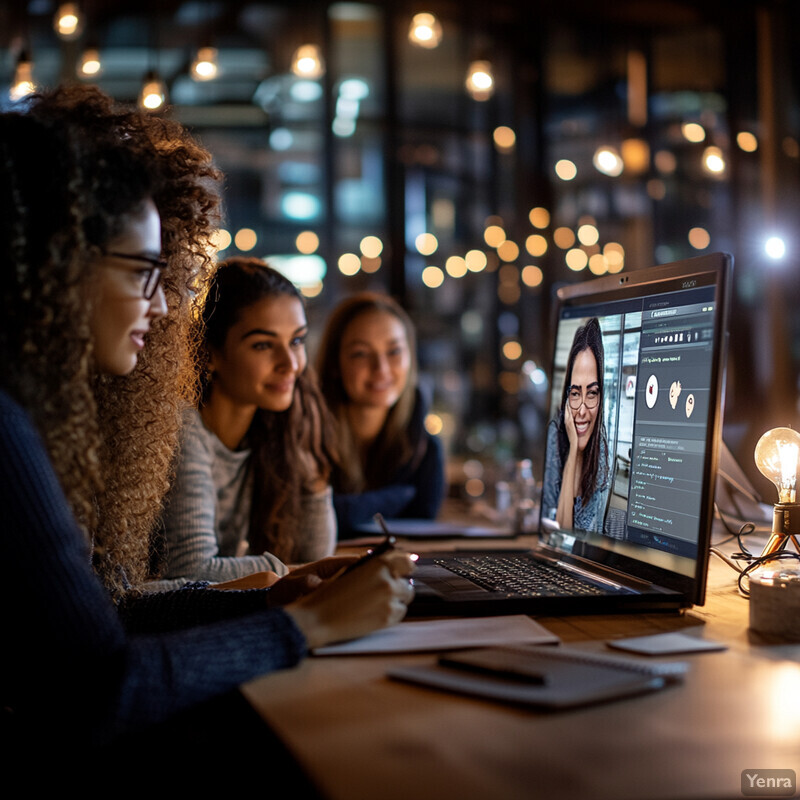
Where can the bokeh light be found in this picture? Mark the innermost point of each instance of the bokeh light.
(456, 267)
(245, 239)
(588, 234)
(699, 238)
(747, 141)
(371, 246)
(508, 250)
(512, 350)
(615, 256)
(349, 263)
(504, 138)
(536, 244)
(564, 237)
(432, 277)
(566, 169)
(576, 259)
(532, 275)
(475, 260)
(693, 132)
(307, 242)
(539, 217)
(426, 244)
(494, 235)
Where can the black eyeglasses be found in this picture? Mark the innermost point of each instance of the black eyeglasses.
(576, 398)
(151, 277)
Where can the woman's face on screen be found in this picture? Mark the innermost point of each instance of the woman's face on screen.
(585, 390)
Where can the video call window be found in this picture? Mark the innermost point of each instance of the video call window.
(645, 438)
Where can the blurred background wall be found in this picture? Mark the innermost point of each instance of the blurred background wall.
(470, 158)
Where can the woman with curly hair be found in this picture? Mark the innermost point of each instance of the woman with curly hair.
(105, 215)
(576, 480)
(367, 366)
(256, 455)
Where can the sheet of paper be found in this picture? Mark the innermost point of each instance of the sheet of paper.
(664, 644)
(447, 634)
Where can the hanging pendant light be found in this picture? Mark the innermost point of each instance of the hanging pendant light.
(154, 92)
(425, 31)
(480, 80)
(205, 66)
(23, 84)
(68, 22)
(307, 62)
(90, 64)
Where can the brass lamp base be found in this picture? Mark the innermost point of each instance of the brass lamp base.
(785, 527)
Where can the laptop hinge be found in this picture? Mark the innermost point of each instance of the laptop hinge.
(597, 571)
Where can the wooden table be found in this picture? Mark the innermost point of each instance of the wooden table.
(362, 735)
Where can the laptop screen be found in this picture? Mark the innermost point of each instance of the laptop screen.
(635, 418)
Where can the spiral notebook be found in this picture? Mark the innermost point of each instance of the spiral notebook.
(542, 677)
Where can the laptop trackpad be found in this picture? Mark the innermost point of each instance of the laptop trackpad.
(431, 580)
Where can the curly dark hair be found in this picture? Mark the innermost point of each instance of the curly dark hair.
(276, 438)
(594, 472)
(73, 166)
(399, 441)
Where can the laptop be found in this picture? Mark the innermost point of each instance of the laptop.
(646, 426)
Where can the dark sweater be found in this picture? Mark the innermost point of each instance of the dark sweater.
(75, 667)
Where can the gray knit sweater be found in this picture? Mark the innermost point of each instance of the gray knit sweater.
(208, 513)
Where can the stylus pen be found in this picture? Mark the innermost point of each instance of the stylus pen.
(386, 545)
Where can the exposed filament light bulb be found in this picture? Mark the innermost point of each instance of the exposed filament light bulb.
(776, 456)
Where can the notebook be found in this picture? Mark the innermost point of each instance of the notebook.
(640, 529)
(542, 677)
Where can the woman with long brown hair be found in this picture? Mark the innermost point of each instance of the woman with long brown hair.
(105, 217)
(252, 485)
(367, 366)
(576, 478)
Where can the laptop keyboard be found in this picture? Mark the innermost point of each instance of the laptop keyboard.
(519, 576)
